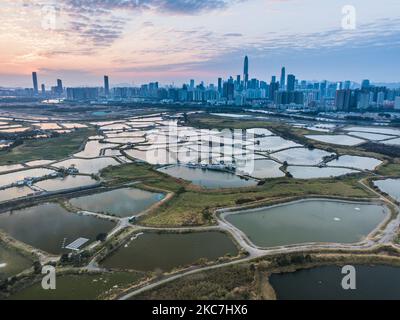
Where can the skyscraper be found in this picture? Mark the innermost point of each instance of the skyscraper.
(220, 86)
(397, 103)
(35, 83)
(43, 90)
(283, 75)
(59, 87)
(228, 90)
(291, 79)
(322, 88)
(273, 87)
(246, 71)
(365, 84)
(106, 86)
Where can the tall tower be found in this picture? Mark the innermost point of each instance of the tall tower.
(246, 72)
(291, 79)
(106, 86)
(283, 76)
(35, 83)
(59, 87)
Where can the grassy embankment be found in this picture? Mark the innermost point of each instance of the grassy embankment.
(193, 206)
(391, 169)
(249, 280)
(49, 149)
(75, 284)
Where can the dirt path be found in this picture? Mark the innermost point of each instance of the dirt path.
(386, 237)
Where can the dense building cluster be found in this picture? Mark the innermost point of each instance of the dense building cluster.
(287, 93)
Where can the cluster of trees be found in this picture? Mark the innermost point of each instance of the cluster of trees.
(387, 150)
(287, 260)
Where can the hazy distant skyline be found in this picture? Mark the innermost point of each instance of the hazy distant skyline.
(137, 41)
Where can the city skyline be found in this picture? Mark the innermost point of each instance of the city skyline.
(246, 77)
(289, 91)
(174, 41)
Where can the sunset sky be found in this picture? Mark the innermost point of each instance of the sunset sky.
(136, 41)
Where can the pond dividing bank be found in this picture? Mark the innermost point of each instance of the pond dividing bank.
(308, 221)
(377, 282)
(165, 251)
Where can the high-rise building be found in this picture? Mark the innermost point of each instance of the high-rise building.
(82, 94)
(106, 86)
(43, 90)
(283, 75)
(322, 88)
(397, 103)
(35, 83)
(220, 86)
(246, 71)
(345, 100)
(192, 84)
(363, 100)
(59, 87)
(228, 90)
(273, 87)
(380, 98)
(291, 80)
(365, 84)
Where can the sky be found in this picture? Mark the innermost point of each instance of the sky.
(172, 41)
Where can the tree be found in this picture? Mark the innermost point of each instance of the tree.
(37, 266)
(101, 237)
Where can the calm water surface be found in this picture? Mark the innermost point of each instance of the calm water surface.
(309, 221)
(47, 225)
(209, 179)
(372, 283)
(121, 202)
(165, 251)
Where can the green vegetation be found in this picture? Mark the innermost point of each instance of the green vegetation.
(232, 282)
(143, 173)
(249, 280)
(49, 149)
(83, 286)
(191, 206)
(390, 169)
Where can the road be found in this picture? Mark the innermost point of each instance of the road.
(387, 236)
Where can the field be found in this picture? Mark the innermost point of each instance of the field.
(236, 284)
(250, 280)
(49, 149)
